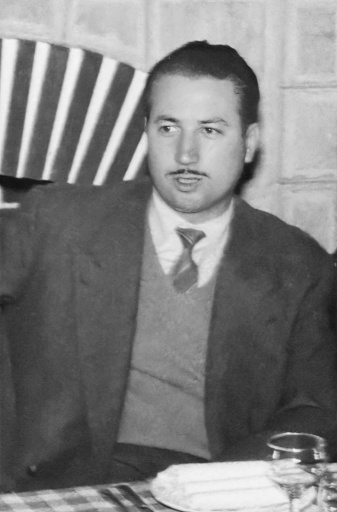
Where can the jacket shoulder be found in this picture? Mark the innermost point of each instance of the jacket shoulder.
(274, 237)
(65, 203)
(55, 195)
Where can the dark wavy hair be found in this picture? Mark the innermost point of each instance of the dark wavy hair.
(198, 59)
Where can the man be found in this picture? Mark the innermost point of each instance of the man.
(164, 322)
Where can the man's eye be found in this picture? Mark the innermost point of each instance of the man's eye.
(211, 131)
(166, 129)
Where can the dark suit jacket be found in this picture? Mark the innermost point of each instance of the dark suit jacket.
(70, 283)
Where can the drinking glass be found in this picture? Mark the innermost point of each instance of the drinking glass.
(299, 461)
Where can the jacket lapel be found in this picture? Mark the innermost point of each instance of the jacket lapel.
(243, 344)
(108, 275)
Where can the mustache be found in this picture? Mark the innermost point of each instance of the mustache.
(180, 172)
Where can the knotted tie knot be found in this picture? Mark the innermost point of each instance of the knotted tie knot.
(185, 271)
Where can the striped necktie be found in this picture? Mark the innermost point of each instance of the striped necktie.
(185, 271)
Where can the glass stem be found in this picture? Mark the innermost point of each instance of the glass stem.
(295, 493)
(295, 504)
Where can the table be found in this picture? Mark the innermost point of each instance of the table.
(81, 499)
(76, 499)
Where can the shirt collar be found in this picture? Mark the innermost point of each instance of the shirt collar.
(166, 220)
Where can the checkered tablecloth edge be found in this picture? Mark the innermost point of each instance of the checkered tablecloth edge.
(78, 499)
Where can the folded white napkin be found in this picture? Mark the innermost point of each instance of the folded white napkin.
(219, 486)
(216, 470)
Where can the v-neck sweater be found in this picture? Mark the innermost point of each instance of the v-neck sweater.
(164, 405)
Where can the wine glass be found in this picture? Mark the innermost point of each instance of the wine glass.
(299, 461)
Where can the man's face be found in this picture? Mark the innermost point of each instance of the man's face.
(197, 148)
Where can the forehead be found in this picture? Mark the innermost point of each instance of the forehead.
(172, 94)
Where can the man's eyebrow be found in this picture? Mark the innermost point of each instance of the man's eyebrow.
(169, 119)
(214, 120)
(165, 118)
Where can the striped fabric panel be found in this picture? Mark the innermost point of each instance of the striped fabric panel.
(79, 96)
(16, 67)
(126, 134)
(46, 95)
(68, 114)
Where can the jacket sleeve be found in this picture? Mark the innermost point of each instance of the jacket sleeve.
(16, 241)
(309, 398)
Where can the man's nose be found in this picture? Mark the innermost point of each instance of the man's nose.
(187, 150)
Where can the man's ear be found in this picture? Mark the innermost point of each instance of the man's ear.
(252, 139)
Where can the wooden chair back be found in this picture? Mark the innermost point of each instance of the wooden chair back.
(68, 114)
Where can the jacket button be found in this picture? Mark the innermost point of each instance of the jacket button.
(32, 470)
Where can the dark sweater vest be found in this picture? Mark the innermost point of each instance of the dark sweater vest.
(164, 404)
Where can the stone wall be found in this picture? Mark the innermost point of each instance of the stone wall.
(291, 44)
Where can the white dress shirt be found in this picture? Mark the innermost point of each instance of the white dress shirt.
(163, 221)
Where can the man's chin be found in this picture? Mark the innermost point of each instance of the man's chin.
(185, 208)
(183, 202)
(199, 212)
(191, 213)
